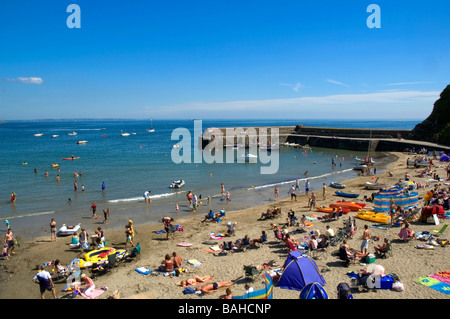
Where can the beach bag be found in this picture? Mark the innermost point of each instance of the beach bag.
(188, 290)
(343, 291)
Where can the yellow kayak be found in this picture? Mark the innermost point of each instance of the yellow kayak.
(100, 256)
(373, 217)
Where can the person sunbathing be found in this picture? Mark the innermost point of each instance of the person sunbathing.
(194, 281)
(213, 287)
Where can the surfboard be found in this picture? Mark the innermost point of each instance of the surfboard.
(184, 244)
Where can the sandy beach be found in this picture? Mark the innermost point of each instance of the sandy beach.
(408, 262)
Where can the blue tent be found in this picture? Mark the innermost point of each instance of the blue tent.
(444, 158)
(313, 290)
(298, 272)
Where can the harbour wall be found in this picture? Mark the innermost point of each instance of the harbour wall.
(380, 140)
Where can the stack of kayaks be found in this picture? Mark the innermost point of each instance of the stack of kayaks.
(373, 217)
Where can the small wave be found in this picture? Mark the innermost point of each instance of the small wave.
(301, 179)
(140, 198)
(30, 215)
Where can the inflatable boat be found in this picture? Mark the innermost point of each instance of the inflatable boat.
(177, 184)
(100, 256)
(337, 185)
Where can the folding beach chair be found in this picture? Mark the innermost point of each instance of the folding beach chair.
(441, 231)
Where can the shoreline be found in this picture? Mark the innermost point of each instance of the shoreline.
(16, 273)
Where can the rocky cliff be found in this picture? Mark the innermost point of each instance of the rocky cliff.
(436, 127)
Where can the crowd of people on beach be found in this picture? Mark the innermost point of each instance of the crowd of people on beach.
(438, 195)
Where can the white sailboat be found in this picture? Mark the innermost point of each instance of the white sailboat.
(151, 129)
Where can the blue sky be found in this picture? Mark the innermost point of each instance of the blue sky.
(222, 59)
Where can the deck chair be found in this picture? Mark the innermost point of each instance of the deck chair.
(385, 254)
(252, 271)
(441, 231)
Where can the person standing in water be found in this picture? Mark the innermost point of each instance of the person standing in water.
(276, 192)
(103, 186)
(94, 209)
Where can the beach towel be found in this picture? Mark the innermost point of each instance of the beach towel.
(160, 231)
(194, 262)
(435, 284)
(215, 248)
(443, 276)
(94, 293)
(216, 237)
(143, 270)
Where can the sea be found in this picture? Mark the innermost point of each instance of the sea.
(130, 165)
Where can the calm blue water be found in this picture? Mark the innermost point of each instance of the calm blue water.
(142, 161)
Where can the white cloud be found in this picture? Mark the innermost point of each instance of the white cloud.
(400, 104)
(295, 87)
(30, 80)
(336, 82)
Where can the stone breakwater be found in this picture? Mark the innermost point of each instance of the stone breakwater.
(381, 140)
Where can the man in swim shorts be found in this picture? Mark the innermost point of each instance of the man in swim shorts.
(45, 282)
(213, 287)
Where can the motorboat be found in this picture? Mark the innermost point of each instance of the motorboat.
(55, 135)
(68, 230)
(82, 142)
(125, 134)
(177, 184)
(38, 134)
(176, 146)
(360, 167)
(72, 133)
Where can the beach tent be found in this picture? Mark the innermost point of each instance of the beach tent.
(265, 293)
(444, 158)
(313, 290)
(382, 200)
(298, 272)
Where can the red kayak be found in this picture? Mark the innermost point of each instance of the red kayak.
(354, 207)
(330, 209)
